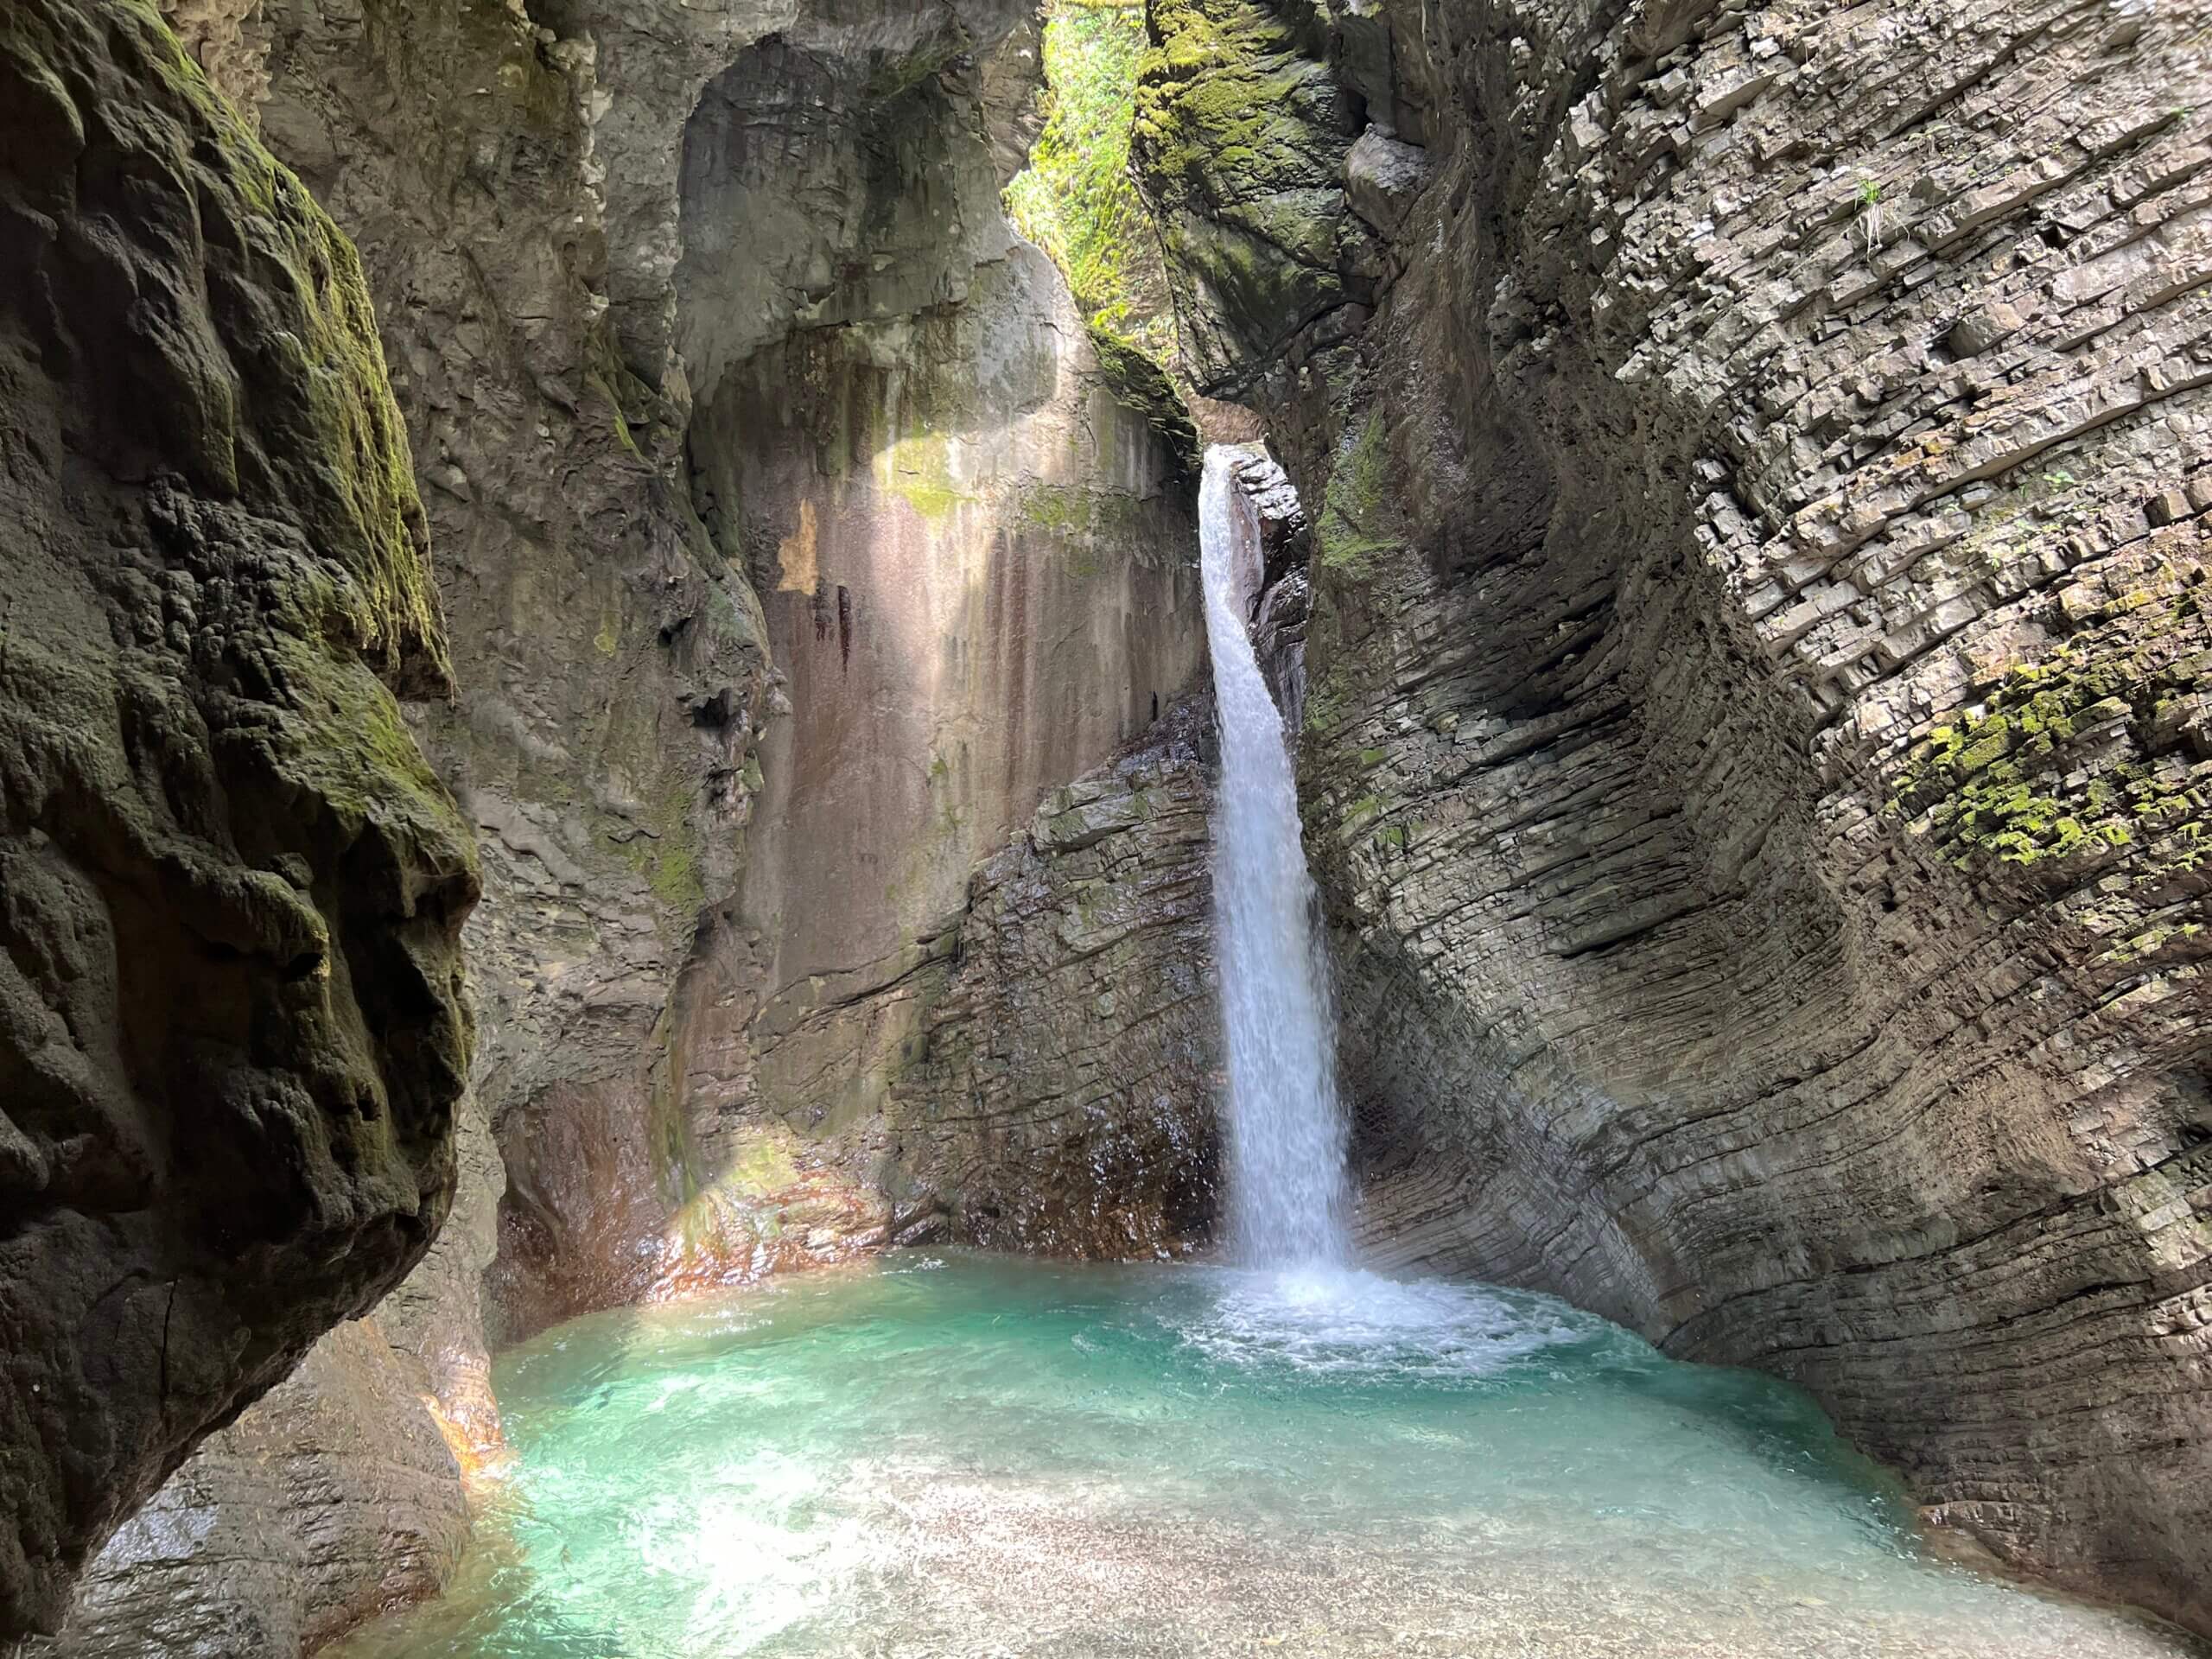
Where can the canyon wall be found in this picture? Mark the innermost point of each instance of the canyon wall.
(1755, 743)
(631, 262)
(232, 1035)
(636, 261)
(1065, 1098)
(614, 678)
(336, 1497)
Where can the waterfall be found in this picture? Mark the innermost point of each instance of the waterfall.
(1288, 1194)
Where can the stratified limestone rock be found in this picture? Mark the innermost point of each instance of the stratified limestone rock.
(333, 1499)
(1278, 584)
(1066, 1100)
(230, 1028)
(1755, 745)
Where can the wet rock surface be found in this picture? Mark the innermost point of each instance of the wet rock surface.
(1752, 741)
(1066, 1097)
(231, 1030)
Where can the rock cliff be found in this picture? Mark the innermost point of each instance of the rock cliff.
(1065, 1099)
(516, 219)
(1755, 745)
(681, 302)
(232, 1029)
(686, 304)
(339, 1495)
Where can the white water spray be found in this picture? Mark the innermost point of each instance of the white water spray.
(1288, 1194)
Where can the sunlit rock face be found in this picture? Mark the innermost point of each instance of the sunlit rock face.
(975, 565)
(231, 1030)
(977, 584)
(1755, 740)
(603, 238)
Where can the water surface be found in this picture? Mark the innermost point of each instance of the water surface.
(961, 1454)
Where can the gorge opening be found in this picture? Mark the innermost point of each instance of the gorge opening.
(947, 1451)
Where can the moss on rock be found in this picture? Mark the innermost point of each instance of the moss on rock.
(1137, 380)
(1353, 532)
(1076, 198)
(1239, 142)
(1077, 201)
(2076, 754)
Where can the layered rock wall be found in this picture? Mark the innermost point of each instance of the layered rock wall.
(1065, 1101)
(231, 1028)
(1755, 740)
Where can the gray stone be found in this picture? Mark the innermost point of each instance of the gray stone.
(1756, 925)
(233, 1037)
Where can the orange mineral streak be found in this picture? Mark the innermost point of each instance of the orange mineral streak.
(473, 1433)
(722, 1239)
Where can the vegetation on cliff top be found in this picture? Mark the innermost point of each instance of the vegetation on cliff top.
(1076, 200)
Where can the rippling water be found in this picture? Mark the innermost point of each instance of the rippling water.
(971, 1455)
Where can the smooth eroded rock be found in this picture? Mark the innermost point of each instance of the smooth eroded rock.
(232, 1033)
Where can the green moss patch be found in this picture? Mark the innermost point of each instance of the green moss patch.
(1354, 532)
(2070, 755)
(1239, 144)
(1076, 201)
(663, 849)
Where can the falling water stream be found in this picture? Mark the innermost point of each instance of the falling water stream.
(951, 1454)
(1284, 1126)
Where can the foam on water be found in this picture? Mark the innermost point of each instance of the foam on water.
(1346, 1323)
